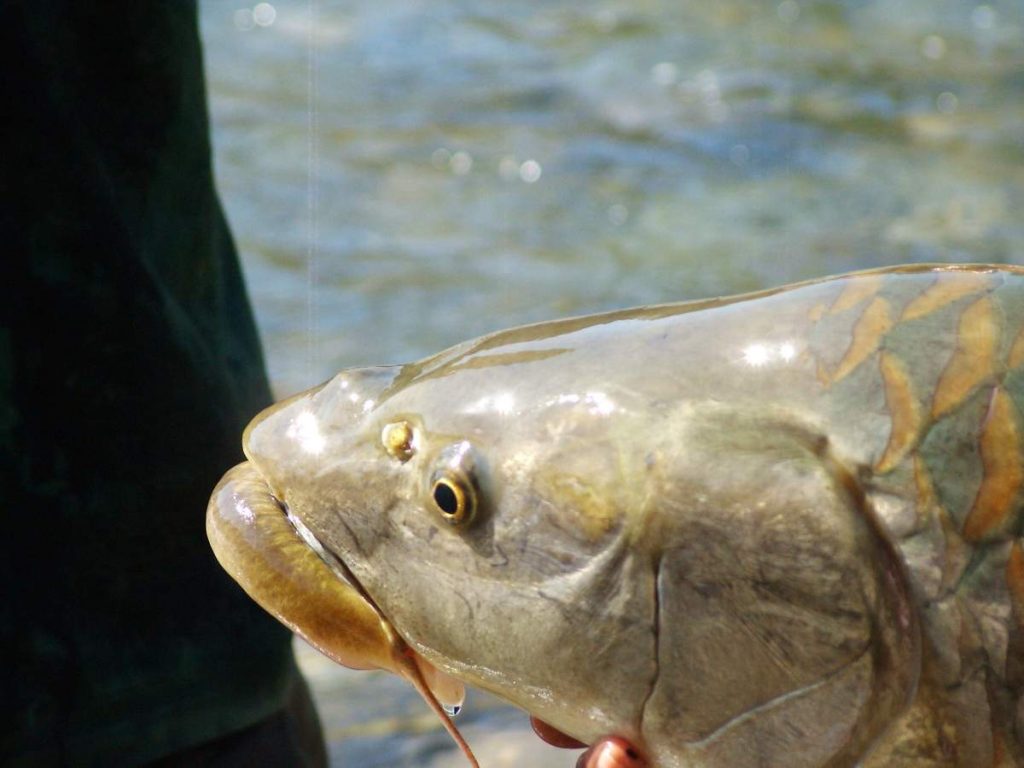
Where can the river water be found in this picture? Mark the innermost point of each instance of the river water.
(402, 175)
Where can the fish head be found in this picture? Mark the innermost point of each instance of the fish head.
(613, 549)
(491, 518)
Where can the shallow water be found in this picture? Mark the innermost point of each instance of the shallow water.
(404, 175)
(683, 149)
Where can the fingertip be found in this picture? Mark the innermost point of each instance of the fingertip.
(612, 752)
(553, 736)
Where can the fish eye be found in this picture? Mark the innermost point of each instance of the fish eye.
(454, 499)
(454, 488)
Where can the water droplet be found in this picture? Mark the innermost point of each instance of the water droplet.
(440, 158)
(264, 14)
(530, 171)
(664, 73)
(452, 709)
(461, 163)
(933, 47)
(707, 83)
(243, 19)
(983, 17)
(788, 11)
(946, 102)
(508, 168)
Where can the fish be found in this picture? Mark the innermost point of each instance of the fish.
(775, 529)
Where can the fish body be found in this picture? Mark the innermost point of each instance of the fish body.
(780, 529)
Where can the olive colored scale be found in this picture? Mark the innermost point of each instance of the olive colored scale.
(772, 530)
(941, 358)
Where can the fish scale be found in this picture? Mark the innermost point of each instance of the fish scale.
(954, 405)
(780, 529)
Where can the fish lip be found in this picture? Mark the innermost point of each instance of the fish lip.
(332, 561)
(329, 559)
(437, 687)
(337, 566)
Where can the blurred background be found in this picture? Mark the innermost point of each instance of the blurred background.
(401, 175)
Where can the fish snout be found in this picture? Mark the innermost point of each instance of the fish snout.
(299, 436)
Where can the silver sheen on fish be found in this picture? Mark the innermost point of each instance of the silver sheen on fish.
(780, 529)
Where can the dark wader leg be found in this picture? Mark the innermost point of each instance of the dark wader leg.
(129, 365)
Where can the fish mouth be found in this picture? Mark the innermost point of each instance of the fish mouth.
(332, 561)
(281, 564)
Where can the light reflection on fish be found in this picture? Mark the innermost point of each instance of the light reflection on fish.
(780, 529)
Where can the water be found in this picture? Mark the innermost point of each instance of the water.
(480, 165)
(684, 149)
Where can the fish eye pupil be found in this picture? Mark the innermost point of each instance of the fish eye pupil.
(446, 498)
(453, 489)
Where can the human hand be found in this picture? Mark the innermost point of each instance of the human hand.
(607, 752)
(612, 752)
